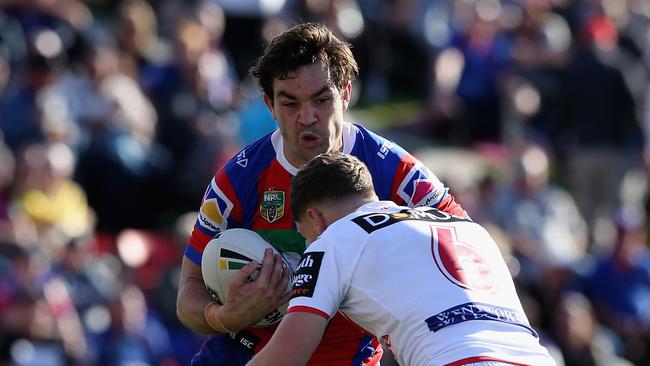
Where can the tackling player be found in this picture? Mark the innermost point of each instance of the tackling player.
(305, 75)
(431, 286)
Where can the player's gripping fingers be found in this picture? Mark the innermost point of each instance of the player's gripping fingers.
(246, 274)
(267, 267)
(284, 275)
(281, 288)
(278, 269)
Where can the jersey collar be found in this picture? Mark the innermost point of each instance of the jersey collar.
(349, 137)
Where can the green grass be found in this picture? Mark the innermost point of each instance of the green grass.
(390, 114)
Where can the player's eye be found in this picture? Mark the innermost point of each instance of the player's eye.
(323, 100)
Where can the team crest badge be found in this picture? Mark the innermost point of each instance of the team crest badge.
(272, 207)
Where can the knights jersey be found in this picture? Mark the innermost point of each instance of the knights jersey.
(432, 287)
(252, 192)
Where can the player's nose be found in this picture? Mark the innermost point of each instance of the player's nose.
(307, 115)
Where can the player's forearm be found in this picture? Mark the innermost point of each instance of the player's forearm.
(293, 342)
(190, 306)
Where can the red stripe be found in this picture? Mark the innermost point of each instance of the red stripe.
(469, 360)
(199, 240)
(449, 205)
(308, 309)
(224, 184)
(408, 161)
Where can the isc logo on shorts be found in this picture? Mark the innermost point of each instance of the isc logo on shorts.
(304, 281)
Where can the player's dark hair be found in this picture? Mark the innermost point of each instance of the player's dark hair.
(329, 177)
(305, 44)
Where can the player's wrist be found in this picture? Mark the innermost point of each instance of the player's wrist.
(215, 322)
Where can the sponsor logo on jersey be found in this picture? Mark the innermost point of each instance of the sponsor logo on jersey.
(478, 311)
(241, 159)
(385, 149)
(376, 221)
(304, 281)
(210, 215)
(420, 187)
(272, 206)
(214, 210)
(246, 339)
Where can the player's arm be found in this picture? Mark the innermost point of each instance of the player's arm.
(193, 299)
(415, 185)
(247, 303)
(294, 341)
(400, 177)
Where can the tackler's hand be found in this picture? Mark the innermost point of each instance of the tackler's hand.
(257, 290)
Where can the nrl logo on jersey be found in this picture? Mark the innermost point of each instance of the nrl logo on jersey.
(272, 207)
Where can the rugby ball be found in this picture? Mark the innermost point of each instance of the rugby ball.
(225, 255)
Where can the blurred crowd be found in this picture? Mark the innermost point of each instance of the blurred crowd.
(114, 115)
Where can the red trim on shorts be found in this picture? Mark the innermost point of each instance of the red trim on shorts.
(469, 360)
(308, 309)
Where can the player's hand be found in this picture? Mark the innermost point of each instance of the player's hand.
(255, 292)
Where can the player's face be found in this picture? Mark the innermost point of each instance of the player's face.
(309, 110)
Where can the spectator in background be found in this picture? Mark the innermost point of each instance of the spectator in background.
(599, 133)
(384, 31)
(137, 38)
(195, 102)
(20, 118)
(243, 35)
(547, 232)
(582, 340)
(541, 44)
(7, 166)
(539, 216)
(5, 70)
(123, 144)
(471, 57)
(619, 285)
(136, 336)
(29, 330)
(54, 206)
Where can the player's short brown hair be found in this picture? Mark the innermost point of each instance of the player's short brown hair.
(328, 178)
(302, 45)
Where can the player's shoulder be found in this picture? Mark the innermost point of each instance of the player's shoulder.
(253, 157)
(239, 176)
(346, 229)
(373, 146)
(365, 135)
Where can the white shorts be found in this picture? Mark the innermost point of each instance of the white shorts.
(488, 363)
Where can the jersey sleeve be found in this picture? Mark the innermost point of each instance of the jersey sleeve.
(400, 177)
(316, 285)
(220, 209)
(414, 185)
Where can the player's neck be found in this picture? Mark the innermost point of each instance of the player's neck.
(335, 211)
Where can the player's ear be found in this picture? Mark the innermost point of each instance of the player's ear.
(346, 94)
(317, 221)
(269, 104)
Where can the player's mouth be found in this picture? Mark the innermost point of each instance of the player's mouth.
(309, 139)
